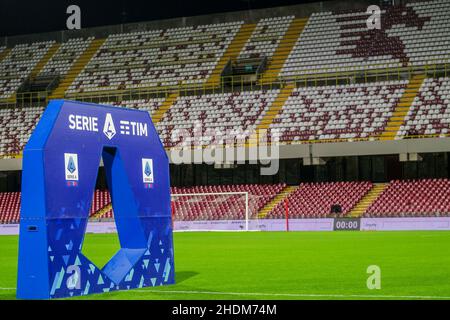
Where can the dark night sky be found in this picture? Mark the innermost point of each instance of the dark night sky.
(23, 17)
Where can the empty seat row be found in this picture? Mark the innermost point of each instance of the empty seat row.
(65, 57)
(214, 118)
(18, 65)
(10, 205)
(322, 113)
(216, 202)
(266, 37)
(16, 126)
(414, 34)
(337, 112)
(400, 198)
(171, 57)
(413, 198)
(429, 114)
(315, 200)
(187, 206)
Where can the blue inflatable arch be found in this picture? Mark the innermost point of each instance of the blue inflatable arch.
(60, 166)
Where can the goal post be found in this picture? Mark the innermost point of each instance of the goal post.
(213, 211)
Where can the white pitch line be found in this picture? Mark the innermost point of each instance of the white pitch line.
(299, 295)
(304, 295)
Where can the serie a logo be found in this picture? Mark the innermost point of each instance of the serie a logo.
(72, 137)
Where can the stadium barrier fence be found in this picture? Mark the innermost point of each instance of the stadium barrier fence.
(326, 224)
(233, 83)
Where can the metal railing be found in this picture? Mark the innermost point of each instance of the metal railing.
(249, 143)
(234, 83)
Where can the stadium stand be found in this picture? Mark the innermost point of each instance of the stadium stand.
(76, 68)
(67, 54)
(411, 35)
(156, 58)
(189, 56)
(266, 37)
(221, 206)
(4, 51)
(338, 112)
(413, 198)
(16, 125)
(106, 213)
(430, 111)
(9, 207)
(399, 198)
(341, 112)
(216, 207)
(287, 42)
(367, 200)
(397, 118)
(101, 199)
(314, 200)
(229, 111)
(19, 64)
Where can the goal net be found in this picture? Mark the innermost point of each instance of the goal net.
(224, 211)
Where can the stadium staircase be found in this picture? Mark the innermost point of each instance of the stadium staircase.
(76, 68)
(282, 52)
(276, 107)
(37, 68)
(4, 53)
(232, 52)
(10, 100)
(275, 201)
(159, 113)
(45, 59)
(270, 115)
(367, 200)
(101, 212)
(402, 108)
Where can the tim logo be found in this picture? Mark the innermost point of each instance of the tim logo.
(71, 168)
(108, 129)
(147, 172)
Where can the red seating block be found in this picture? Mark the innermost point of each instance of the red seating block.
(413, 198)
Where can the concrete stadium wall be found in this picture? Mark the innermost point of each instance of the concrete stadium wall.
(249, 16)
(316, 150)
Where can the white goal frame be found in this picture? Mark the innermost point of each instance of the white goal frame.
(245, 193)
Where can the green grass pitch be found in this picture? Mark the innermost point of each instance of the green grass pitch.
(282, 265)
